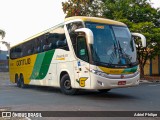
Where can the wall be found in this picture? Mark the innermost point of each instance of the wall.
(152, 67)
(3, 61)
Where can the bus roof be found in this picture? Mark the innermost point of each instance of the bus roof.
(95, 19)
(36, 35)
(82, 18)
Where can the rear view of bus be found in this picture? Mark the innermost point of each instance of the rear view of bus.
(107, 50)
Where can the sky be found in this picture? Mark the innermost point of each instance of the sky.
(21, 19)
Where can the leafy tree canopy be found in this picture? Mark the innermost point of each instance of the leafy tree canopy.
(139, 15)
(83, 8)
(2, 33)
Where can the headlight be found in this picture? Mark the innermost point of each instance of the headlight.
(98, 73)
(93, 71)
(114, 76)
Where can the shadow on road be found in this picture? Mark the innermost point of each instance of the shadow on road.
(105, 96)
(91, 94)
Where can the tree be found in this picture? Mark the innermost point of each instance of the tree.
(83, 8)
(2, 33)
(140, 17)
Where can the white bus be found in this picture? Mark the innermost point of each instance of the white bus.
(80, 53)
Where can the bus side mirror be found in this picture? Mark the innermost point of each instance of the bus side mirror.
(143, 38)
(89, 34)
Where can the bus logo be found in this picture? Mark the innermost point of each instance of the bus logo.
(82, 81)
(23, 62)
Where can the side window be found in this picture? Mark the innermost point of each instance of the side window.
(25, 50)
(71, 27)
(29, 46)
(12, 53)
(45, 43)
(74, 25)
(37, 45)
(57, 39)
(52, 39)
(18, 51)
(23, 53)
(82, 51)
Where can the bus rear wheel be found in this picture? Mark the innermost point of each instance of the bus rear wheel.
(65, 85)
(22, 85)
(18, 81)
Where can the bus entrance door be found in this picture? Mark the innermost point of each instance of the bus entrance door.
(82, 63)
(83, 80)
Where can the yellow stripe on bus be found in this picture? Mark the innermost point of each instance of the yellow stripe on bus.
(23, 65)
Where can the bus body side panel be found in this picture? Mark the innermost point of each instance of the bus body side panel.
(51, 77)
(47, 73)
(66, 67)
(64, 63)
(83, 79)
(41, 74)
(22, 66)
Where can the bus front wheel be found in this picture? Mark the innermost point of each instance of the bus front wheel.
(65, 85)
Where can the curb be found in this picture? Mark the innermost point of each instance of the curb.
(149, 81)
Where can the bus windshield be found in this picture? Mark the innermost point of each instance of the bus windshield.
(113, 45)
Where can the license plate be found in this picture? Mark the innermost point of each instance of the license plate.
(121, 82)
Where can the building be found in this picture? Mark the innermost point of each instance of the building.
(4, 61)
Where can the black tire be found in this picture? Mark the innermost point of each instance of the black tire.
(104, 90)
(18, 82)
(22, 85)
(65, 85)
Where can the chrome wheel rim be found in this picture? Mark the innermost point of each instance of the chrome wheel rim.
(67, 84)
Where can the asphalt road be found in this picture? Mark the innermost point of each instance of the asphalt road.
(145, 97)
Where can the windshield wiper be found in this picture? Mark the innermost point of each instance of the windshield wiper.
(120, 48)
(123, 56)
(114, 53)
(115, 49)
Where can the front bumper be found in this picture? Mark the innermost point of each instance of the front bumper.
(99, 82)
